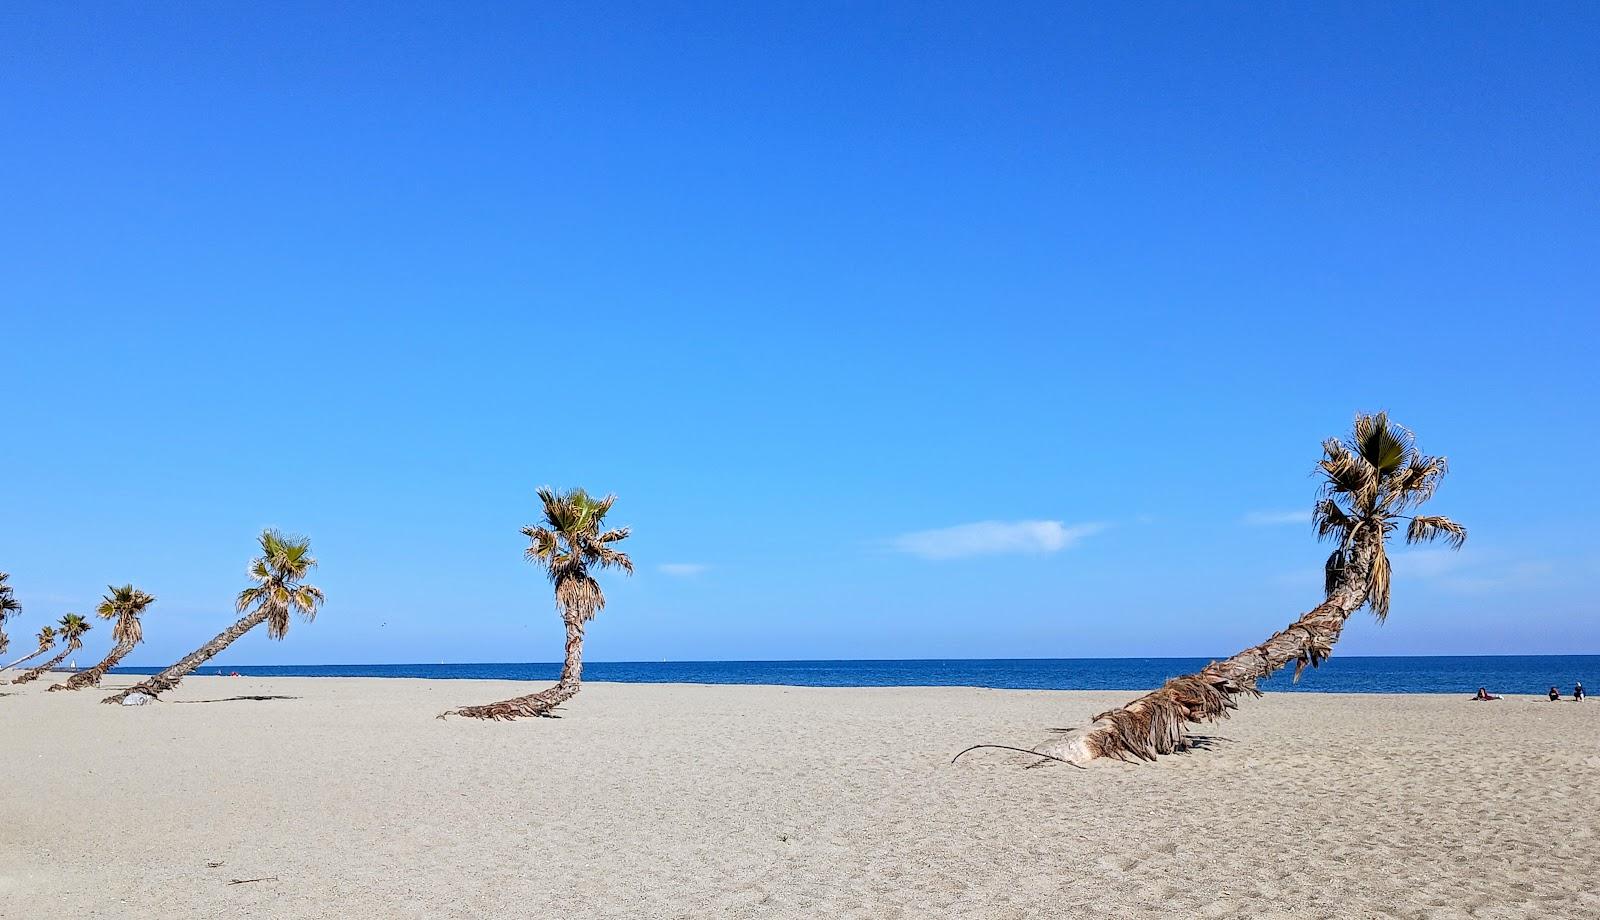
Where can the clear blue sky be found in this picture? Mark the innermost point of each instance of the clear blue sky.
(796, 281)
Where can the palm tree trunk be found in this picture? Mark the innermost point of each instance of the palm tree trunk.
(91, 677)
(34, 674)
(169, 678)
(1156, 723)
(28, 657)
(541, 703)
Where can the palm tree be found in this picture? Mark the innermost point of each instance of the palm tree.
(46, 637)
(568, 544)
(73, 627)
(8, 609)
(125, 605)
(1368, 480)
(278, 573)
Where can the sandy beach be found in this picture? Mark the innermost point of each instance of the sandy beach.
(352, 800)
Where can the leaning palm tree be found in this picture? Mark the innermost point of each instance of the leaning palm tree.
(568, 544)
(8, 609)
(72, 629)
(46, 637)
(279, 589)
(1368, 480)
(125, 605)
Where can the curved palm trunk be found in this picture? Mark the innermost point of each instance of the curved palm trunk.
(91, 677)
(28, 657)
(169, 678)
(541, 703)
(1157, 722)
(34, 674)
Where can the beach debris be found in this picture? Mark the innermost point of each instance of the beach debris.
(137, 699)
(246, 881)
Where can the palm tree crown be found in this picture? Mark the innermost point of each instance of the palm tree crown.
(569, 543)
(1369, 478)
(46, 637)
(278, 572)
(124, 604)
(73, 627)
(8, 609)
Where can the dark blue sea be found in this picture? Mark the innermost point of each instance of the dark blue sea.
(1432, 674)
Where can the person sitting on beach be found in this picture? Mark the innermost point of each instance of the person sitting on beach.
(1577, 693)
(1555, 695)
(1484, 695)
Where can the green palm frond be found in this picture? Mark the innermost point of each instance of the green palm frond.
(1383, 445)
(73, 626)
(571, 540)
(125, 604)
(8, 600)
(278, 590)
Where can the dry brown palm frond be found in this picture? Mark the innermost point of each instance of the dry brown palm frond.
(579, 597)
(1348, 474)
(1378, 585)
(1416, 483)
(1331, 521)
(606, 557)
(1426, 528)
(542, 544)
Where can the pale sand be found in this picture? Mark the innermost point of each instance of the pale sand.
(695, 801)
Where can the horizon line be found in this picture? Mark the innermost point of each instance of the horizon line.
(434, 664)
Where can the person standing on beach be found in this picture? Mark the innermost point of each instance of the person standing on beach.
(1577, 693)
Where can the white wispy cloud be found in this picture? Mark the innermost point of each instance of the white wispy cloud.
(985, 538)
(1273, 518)
(682, 569)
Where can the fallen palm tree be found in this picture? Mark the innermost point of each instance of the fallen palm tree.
(46, 638)
(124, 605)
(72, 629)
(278, 589)
(1369, 479)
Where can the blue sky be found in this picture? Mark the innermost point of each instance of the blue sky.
(919, 330)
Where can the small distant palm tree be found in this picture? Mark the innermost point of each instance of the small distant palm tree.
(125, 605)
(46, 637)
(8, 609)
(1369, 480)
(72, 629)
(568, 545)
(279, 589)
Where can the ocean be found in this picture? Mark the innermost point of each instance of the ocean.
(1423, 674)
